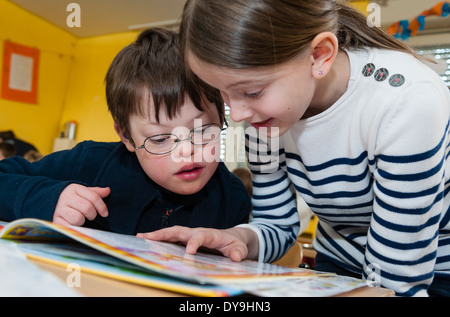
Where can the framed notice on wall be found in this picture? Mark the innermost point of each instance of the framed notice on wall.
(20, 72)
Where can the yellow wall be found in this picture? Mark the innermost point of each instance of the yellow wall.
(86, 101)
(71, 80)
(37, 123)
(361, 5)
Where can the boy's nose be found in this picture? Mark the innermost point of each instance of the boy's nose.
(185, 147)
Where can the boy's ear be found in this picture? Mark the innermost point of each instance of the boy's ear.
(126, 139)
(324, 48)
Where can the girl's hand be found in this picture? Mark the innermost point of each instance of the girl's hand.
(234, 243)
(78, 203)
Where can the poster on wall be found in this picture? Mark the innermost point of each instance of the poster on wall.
(20, 72)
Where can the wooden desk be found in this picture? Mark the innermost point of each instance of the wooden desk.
(97, 286)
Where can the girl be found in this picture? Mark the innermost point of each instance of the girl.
(362, 128)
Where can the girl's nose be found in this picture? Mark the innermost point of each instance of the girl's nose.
(240, 112)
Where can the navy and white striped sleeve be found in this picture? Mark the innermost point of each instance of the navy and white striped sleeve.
(409, 189)
(274, 216)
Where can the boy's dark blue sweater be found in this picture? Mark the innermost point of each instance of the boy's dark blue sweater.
(136, 203)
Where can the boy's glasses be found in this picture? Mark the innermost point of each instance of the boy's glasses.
(165, 143)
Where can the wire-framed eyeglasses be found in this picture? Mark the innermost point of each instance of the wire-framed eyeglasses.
(167, 142)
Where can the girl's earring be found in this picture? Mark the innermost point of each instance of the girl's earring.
(320, 72)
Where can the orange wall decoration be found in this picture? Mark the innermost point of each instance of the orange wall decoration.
(404, 29)
(20, 72)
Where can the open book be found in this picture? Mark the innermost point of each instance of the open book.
(165, 265)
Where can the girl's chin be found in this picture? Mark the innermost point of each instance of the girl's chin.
(272, 132)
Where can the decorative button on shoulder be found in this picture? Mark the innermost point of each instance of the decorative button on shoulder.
(381, 74)
(396, 80)
(368, 70)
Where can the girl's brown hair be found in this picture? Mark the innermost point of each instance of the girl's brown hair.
(252, 33)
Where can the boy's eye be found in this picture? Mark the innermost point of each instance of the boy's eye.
(201, 130)
(205, 134)
(159, 140)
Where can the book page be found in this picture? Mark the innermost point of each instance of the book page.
(261, 279)
(161, 257)
(173, 258)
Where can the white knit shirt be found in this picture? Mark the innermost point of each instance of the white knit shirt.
(373, 168)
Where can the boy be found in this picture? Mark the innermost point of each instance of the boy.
(156, 177)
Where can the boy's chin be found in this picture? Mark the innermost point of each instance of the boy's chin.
(186, 193)
(188, 188)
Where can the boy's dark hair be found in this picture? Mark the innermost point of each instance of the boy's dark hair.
(153, 65)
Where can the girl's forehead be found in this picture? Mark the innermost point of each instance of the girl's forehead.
(231, 77)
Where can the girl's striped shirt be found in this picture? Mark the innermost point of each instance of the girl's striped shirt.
(373, 167)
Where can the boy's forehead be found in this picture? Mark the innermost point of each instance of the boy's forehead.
(147, 107)
(147, 110)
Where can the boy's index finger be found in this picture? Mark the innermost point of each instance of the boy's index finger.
(99, 203)
(172, 234)
(95, 198)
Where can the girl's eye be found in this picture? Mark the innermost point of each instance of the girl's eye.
(253, 95)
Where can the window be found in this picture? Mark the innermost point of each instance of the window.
(442, 55)
(232, 149)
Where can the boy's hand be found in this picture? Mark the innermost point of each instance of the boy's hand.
(234, 243)
(77, 202)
